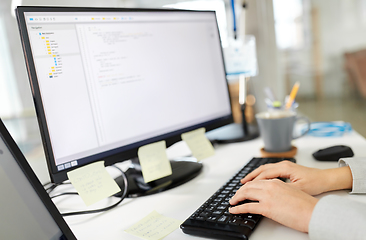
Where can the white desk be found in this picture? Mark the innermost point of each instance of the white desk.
(181, 202)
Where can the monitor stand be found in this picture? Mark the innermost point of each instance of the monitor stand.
(183, 170)
(235, 132)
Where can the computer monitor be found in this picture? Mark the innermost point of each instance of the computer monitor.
(108, 81)
(27, 212)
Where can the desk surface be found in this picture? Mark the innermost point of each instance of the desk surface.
(179, 203)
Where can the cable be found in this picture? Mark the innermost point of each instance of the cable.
(47, 183)
(329, 129)
(124, 194)
(53, 186)
(65, 193)
(234, 17)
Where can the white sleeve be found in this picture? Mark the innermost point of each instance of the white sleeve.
(336, 217)
(358, 168)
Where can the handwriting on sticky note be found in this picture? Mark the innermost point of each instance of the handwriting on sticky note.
(93, 183)
(154, 226)
(200, 146)
(154, 161)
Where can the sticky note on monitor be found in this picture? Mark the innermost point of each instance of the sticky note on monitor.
(154, 161)
(93, 183)
(154, 226)
(200, 146)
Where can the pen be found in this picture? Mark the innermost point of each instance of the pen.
(293, 93)
(270, 94)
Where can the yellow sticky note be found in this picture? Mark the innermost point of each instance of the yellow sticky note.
(200, 146)
(154, 161)
(154, 226)
(93, 183)
(43, 37)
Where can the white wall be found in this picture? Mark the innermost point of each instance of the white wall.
(342, 28)
(15, 59)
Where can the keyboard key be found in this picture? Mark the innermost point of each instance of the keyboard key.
(252, 217)
(210, 208)
(212, 219)
(199, 218)
(235, 221)
(217, 212)
(227, 212)
(223, 219)
(263, 161)
(204, 214)
(221, 207)
(247, 223)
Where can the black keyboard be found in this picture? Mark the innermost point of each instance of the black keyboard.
(213, 220)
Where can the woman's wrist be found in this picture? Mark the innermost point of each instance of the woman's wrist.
(338, 179)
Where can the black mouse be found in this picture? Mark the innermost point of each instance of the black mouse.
(333, 153)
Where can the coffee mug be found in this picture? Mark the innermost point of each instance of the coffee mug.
(276, 129)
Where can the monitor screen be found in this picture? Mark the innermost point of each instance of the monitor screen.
(107, 81)
(27, 212)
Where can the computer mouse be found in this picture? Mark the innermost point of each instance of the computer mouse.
(333, 153)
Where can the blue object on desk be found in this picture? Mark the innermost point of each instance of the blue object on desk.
(329, 129)
(234, 17)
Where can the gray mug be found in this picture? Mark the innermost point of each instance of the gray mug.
(276, 129)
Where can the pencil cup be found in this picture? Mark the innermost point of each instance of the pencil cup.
(277, 129)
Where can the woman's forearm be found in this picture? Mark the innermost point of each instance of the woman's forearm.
(338, 178)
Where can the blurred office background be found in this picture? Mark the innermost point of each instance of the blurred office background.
(320, 43)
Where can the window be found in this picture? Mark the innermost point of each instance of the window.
(10, 104)
(289, 23)
(214, 5)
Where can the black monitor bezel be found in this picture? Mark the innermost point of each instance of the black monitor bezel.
(34, 181)
(111, 156)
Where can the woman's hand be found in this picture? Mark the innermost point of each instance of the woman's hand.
(310, 180)
(276, 200)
